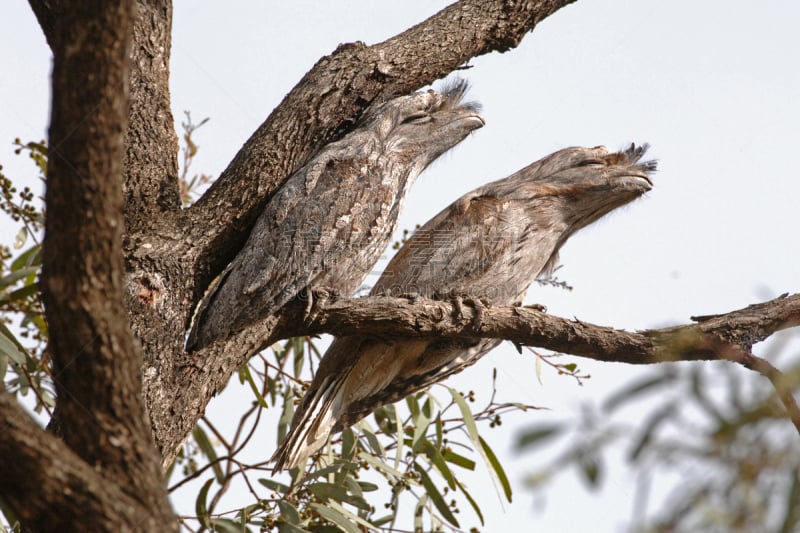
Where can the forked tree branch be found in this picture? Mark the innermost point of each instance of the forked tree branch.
(48, 485)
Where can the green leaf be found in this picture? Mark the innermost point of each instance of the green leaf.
(650, 427)
(372, 440)
(299, 355)
(452, 457)
(413, 405)
(352, 486)
(380, 465)
(286, 415)
(418, 511)
(274, 485)
(471, 501)
(22, 236)
(332, 469)
(16, 275)
(289, 512)
(335, 517)
(387, 419)
(466, 414)
(348, 444)
(32, 257)
(200, 506)
(538, 369)
(225, 525)
(539, 435)
(272, 389)
(244, 371)
(590, 467)
(204, 443)
(498, 469)
(286, 527)
(422, 421)
(436, 459)
(325, 491)
(439, 430)
(377, 522)
(635, 389)
(398, 454)
(11, 347)
(335, 506)
(486, 452)
(20, 294)
(435, 496)
(366, 486)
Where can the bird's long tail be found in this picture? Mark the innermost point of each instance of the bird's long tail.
(311, 425)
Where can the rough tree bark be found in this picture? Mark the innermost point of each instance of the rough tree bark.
(106, 453)
(118, 170)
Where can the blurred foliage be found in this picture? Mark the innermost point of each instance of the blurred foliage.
(191, 187)
(715, 433)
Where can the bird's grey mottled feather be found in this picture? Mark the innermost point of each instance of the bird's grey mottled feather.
(329, 223)
(490, 243)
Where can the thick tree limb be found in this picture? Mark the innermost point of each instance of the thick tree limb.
(49, 486)
(151, 155)
(150, 184)
(47, 14)
(96, 362)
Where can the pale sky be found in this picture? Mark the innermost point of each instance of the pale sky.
(713, 87)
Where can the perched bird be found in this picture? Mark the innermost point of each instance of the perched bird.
(489, 244)
(327, 226)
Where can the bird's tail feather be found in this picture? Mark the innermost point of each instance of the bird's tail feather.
(311, 425)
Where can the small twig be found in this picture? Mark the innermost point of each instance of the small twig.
(773, 374)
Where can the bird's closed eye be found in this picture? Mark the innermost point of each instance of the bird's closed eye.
(592, 163)
(417, 118)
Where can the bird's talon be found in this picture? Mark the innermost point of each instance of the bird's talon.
(458, 304)
(412, 297)
(317, 298)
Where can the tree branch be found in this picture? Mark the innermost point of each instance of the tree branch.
(47, 13)
(96, 362)
(529, 326)
(151, 158)
(150, 185)
(718, 337)
(48, 485)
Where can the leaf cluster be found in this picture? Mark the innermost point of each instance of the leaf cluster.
(24, 365)
(405, 456)
(720, 431)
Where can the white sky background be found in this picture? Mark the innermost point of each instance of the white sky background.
(713, 86)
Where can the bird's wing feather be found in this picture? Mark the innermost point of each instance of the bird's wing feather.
(454, 247)
(287, 251)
